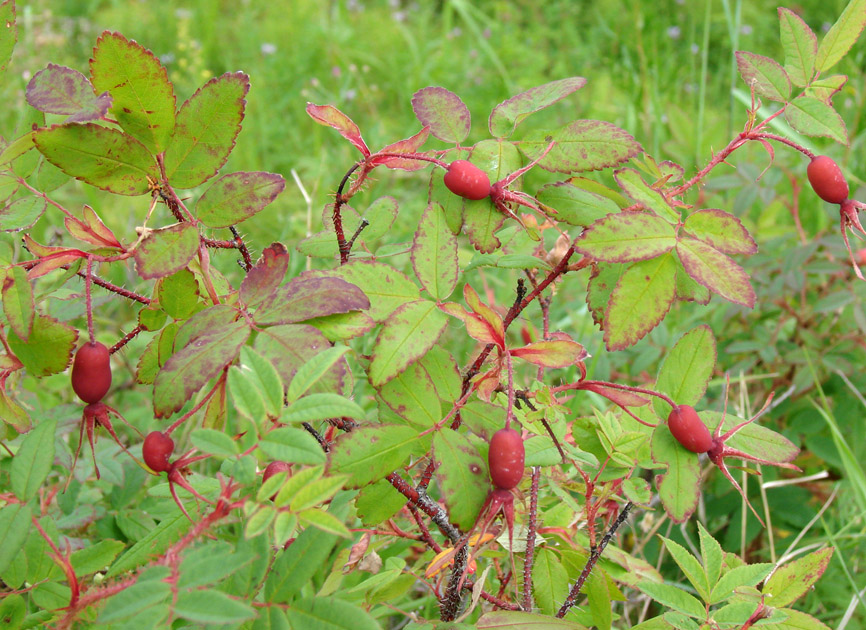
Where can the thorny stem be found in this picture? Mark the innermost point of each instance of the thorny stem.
(337, 217)
(425, 531)
(113, 287)
(592, 560)
(88, 303)
(532, 528)
(364, 223)
(322, 441)
(426, 505)
(242, 247)
(125, 339)
(450, 603)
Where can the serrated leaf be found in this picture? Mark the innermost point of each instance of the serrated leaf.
(800, 46)
(721, 230)
(690, 566)
(679, 485)
(18, 305)
(549, 581)
(143, 97)
(289, 444)
(507, 115)
(213, 442)
(714, 270)
(189, 369)
(178, 294)
(582, 145)
(247, 394)
(48, 349)
(386, 287)
(639, 302)
(462, 476)
(211, 606)
(602, 281)
(307, 297)
(21, 214)
(15, 526)
(61, 90)
(792, 580)
(12, 414)
(406, 336)
(149, 591)
(378, 502)
(574, 205)
(686, 369)
(317, 407)
(814, 117)
(167, 250)
(330, 116)
(208, 124)
(768, 78)
(626, 237)
(443, 112)
(32, 462)
(153, 544)
(236, 197)
(674, 598)
(746, 575)
(312, 372)
(434, 254)
(99, 156)
(329, 613)
(210, 563)
(412, 396)
(265, 276)
(91, 229)
(638, 190)
(369, 453)
(842, 35)
(324, 521)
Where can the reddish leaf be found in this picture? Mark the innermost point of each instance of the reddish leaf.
(616, 396)
(91, 230)
(235, 197)
(551, 354)
(265, 276)
(61, 90)
(487, 314)
(582, 145)
(409, 145)
(717, 272)
(476, 327)
(167, 250)
(507, 115)
(443, 112)
(330, 116)
(305, 298)
(764, 74)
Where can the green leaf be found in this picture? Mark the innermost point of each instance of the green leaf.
(462, 476)
(565, 202)
(12, 414)
(406, 336)
(167, 250)
(143, 97)
(259, 371)
(721, 230)
(290, 444)
(686, 369)
(32, 462)
(189, 369)
(313, 371)
(581, 145)
(12, 610)
(236, 197)
(99, 156)
(690, 567)
(213, 442)
(316, 407)
(679, 485)
(247, 396)
(329, 613)
(210, 563)
(712, 555)
(15, 526)
(412, 396)
(792, 580)
(209, 606)
(626, 237)
(18, 305)
(179, 294)
(97, 557)
(9, 35)
(746, 575)
(378, 502)
(764, 74)
(549, 581)
(315, 493)
(507, 115)
(800, 46)
(600, 603)
(147, 592)
(712, 269)
(638, 190)
(21, 214)
(674, 598)
(49, 347)
(842, 35)
(434, 254)
(324, 521)
(799, 621)
(513, 620)
(813, 117)
(442, 111)
(369, 453)
(443, 372)
(208, 124)
(640, 301)
(153, 544)
(387, 288)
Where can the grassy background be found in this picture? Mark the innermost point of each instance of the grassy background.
(663, 71)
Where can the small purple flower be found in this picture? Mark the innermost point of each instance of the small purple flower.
(673, 32)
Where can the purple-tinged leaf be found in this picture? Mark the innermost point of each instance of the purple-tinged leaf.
(563, 201)
(442, 111)
(8, 35)
(102, 157)
(679, 485)
(794, 579)
(841, 36)
(143, 97)
(330, 116)
(686, 369)
(461, 475)
(617, 396)
(825, 88)
(62, 90)
(49, 347)
(200, 324)
(638, 190)
(640, 301)
(582, 145)
(814, 117)
(386, 287)
(716, 271)
(626, 237)
(236, 197)
(508, 114)
(18, 304)
(409, 145)
(190, 368)
(405, 336)
(434, 254)
(764, 74)
(671, 171)
(369, 453)
(721, 230)
(208, 124)
(602, 281)
(800, 46)
(558, 353)
(265, 276)
(167, 250)
(305, 298)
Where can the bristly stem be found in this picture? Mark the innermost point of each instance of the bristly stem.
(88, 303)
(342, 245)
(125, 339)
(532, 528)
(242, 247)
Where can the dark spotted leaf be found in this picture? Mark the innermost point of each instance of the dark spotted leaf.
(507, 115)
(462, 476)
(61, 90)
(434, 254)
(9, 32)
(167, 250)
(236, 197)
(582, 145)
(626, 237)
(715, 271)
(369, 453)
(265, 276)
(305, 298)
(443, 112)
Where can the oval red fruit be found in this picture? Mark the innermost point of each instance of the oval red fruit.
(91, 372)
(157, 448)
(466, 180)
(827, 179)
(505, 459)
(689, 430)
(275, 467)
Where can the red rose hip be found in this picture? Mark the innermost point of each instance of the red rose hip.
(157, 448)
(689, 430)
(827, 179)
(505, 459)
(466, 180)
(91, 372)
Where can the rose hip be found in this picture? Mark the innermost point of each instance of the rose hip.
(91, 372)
(505, 459)
(157, 448)
(466, 180)
(689, 430)
(827, 179)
